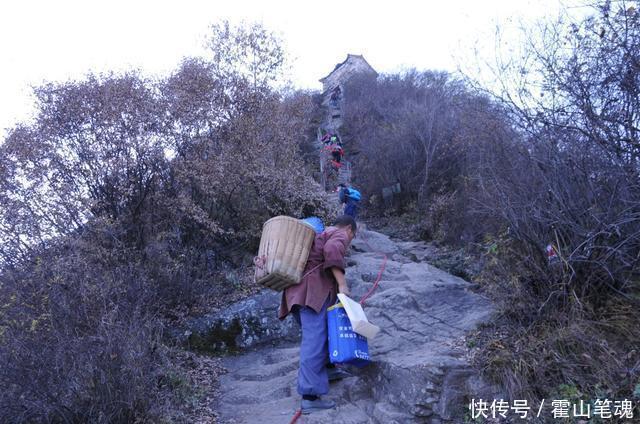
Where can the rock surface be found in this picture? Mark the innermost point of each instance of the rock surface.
(420, 372)
(244, 324)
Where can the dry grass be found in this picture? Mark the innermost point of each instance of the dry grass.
(197, 388)
(580, 354)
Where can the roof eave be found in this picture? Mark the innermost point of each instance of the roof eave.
(349, 55)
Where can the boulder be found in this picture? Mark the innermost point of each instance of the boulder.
(250, 322)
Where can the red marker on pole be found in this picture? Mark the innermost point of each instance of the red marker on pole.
(552, 255)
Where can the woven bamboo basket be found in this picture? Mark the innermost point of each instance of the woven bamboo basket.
(283, 253)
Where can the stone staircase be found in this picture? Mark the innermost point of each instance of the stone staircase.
(420, 371)
(344, 174)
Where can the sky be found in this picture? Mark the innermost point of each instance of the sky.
(42, 41)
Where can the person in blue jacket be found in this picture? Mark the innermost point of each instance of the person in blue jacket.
(351, 199)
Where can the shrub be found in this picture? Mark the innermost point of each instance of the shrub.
(570, 180)
(80, 339)
(127, 200)
(432, 134)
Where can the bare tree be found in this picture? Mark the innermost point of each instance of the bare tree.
(424, 130)
(127, 199)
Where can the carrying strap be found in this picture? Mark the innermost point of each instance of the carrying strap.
(261, 261)
(311, 270)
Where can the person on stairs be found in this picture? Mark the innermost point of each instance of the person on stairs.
(323, 278)
(351, 199)
(337, 152)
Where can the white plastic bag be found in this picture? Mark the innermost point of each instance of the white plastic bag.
(358, 319)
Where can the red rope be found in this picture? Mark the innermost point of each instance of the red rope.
(378, 278)
(296, 416)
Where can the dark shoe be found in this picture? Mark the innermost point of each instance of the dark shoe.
(309, 406)
(338, 374)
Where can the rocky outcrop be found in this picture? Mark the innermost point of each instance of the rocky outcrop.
(245, 324)
(420, 373)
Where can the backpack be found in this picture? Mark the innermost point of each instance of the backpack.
(353, 194)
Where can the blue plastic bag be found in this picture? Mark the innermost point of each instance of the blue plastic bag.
(345, 345)
(316, 223)
(354, 194)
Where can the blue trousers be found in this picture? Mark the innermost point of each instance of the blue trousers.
(314, 350)
(351, 209)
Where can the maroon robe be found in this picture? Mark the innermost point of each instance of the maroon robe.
(318, 282)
